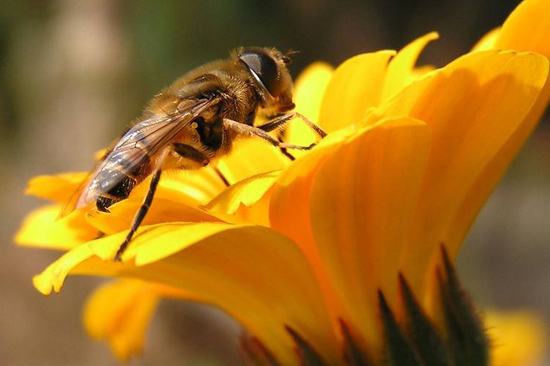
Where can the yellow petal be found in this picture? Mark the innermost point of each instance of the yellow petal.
(289, 206)
(162, 210)
(487, 42)
(419, 72)
(255, 274)
(289, 210)
(517, 338)
(492, 173)
(401, 67)
(355, 86)
(59, 188)
(251, 157)
(362, 203)
(191, 187)
(310, 89)
(120, 312)
(473, 106)
(53, 277)
(44, 228)
(526, 29)
(234, 203)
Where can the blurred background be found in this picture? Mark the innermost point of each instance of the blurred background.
(73, 73)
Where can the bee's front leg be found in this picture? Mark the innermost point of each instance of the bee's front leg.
(284, 119)
(250, 131)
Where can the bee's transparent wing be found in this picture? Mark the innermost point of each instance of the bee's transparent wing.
(134, 148)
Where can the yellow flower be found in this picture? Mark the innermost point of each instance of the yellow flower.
(518, 338)
(298, 250)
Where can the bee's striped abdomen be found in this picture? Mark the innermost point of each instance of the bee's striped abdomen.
(117, 193)
(122, 189)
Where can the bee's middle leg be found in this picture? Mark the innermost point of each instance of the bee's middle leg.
(144, 208)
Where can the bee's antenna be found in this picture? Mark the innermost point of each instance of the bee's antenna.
(287, 56)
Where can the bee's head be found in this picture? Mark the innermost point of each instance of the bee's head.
(268, 68)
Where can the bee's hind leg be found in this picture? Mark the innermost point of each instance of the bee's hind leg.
(140, 214)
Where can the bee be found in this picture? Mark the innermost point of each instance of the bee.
(192, 123)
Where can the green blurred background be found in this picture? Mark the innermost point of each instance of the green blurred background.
(73, 73)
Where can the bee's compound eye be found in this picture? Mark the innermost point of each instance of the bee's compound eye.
(265, 69)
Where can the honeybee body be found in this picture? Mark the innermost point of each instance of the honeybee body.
(204, 133)
(192, 123)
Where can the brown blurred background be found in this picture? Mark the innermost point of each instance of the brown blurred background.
(73, 73)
